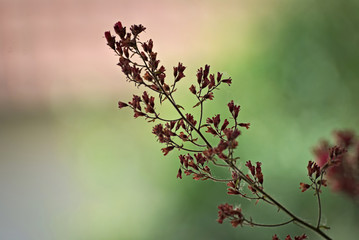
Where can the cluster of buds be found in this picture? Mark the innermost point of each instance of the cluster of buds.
(302, 237)
(234, 214)
(139, 62)
(207, 83)
(316, 175)
(340, 161)
(194, 166)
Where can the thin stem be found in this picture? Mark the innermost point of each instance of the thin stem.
(269, 225)
(319, 207)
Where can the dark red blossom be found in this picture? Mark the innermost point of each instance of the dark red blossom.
(231, 134)
(304, 186)
(206, 71)
(110, 39)
(216, 120)
(136, 100)
(234, 109)
(219, 76)
(228, 81)
(179, 174)
(167, 150)
(205, 83)
(222, 145)
(302, 237)
(259, 174)
(120, 30)
(211, 130)
(251, 167)
(178, 72)
(225, 124)
(313, 168)
(246, 125)
(193, 89)
(193, 165)
(227, 211)
(183, 136)
(137, 29)
(190, 119)
(209, 96)
(138, 114)
(200, 158)
(212, 81)
(232, 191)
(199, 75)
(122, 104)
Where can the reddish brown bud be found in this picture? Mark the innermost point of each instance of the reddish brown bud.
(219, 76)
(120, 30)
(145, 47)
(211, 130)
(209, 96)
(225, 124)
(137, 29)
(167, 150)
(205, 83)
(212, 81)
(138, 114)
(206, 71)
(200, 158)
(228, 81)
(190, 118)
(251, 167)
(246, 125)
(122, 104)
(150, 45)
(192, 165)
(259, 174)
(304, 187)
(110, 39)
(193, 89)
(216, 120)
(199, 75)
(179, 174)
(231, 106)
(182, 159)
(232, 191)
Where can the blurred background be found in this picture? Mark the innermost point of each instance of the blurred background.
(73, 166)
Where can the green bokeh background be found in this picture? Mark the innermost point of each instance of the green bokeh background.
(81, 169)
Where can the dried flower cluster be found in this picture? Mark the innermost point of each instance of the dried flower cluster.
(341, 162)
(191, 135)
